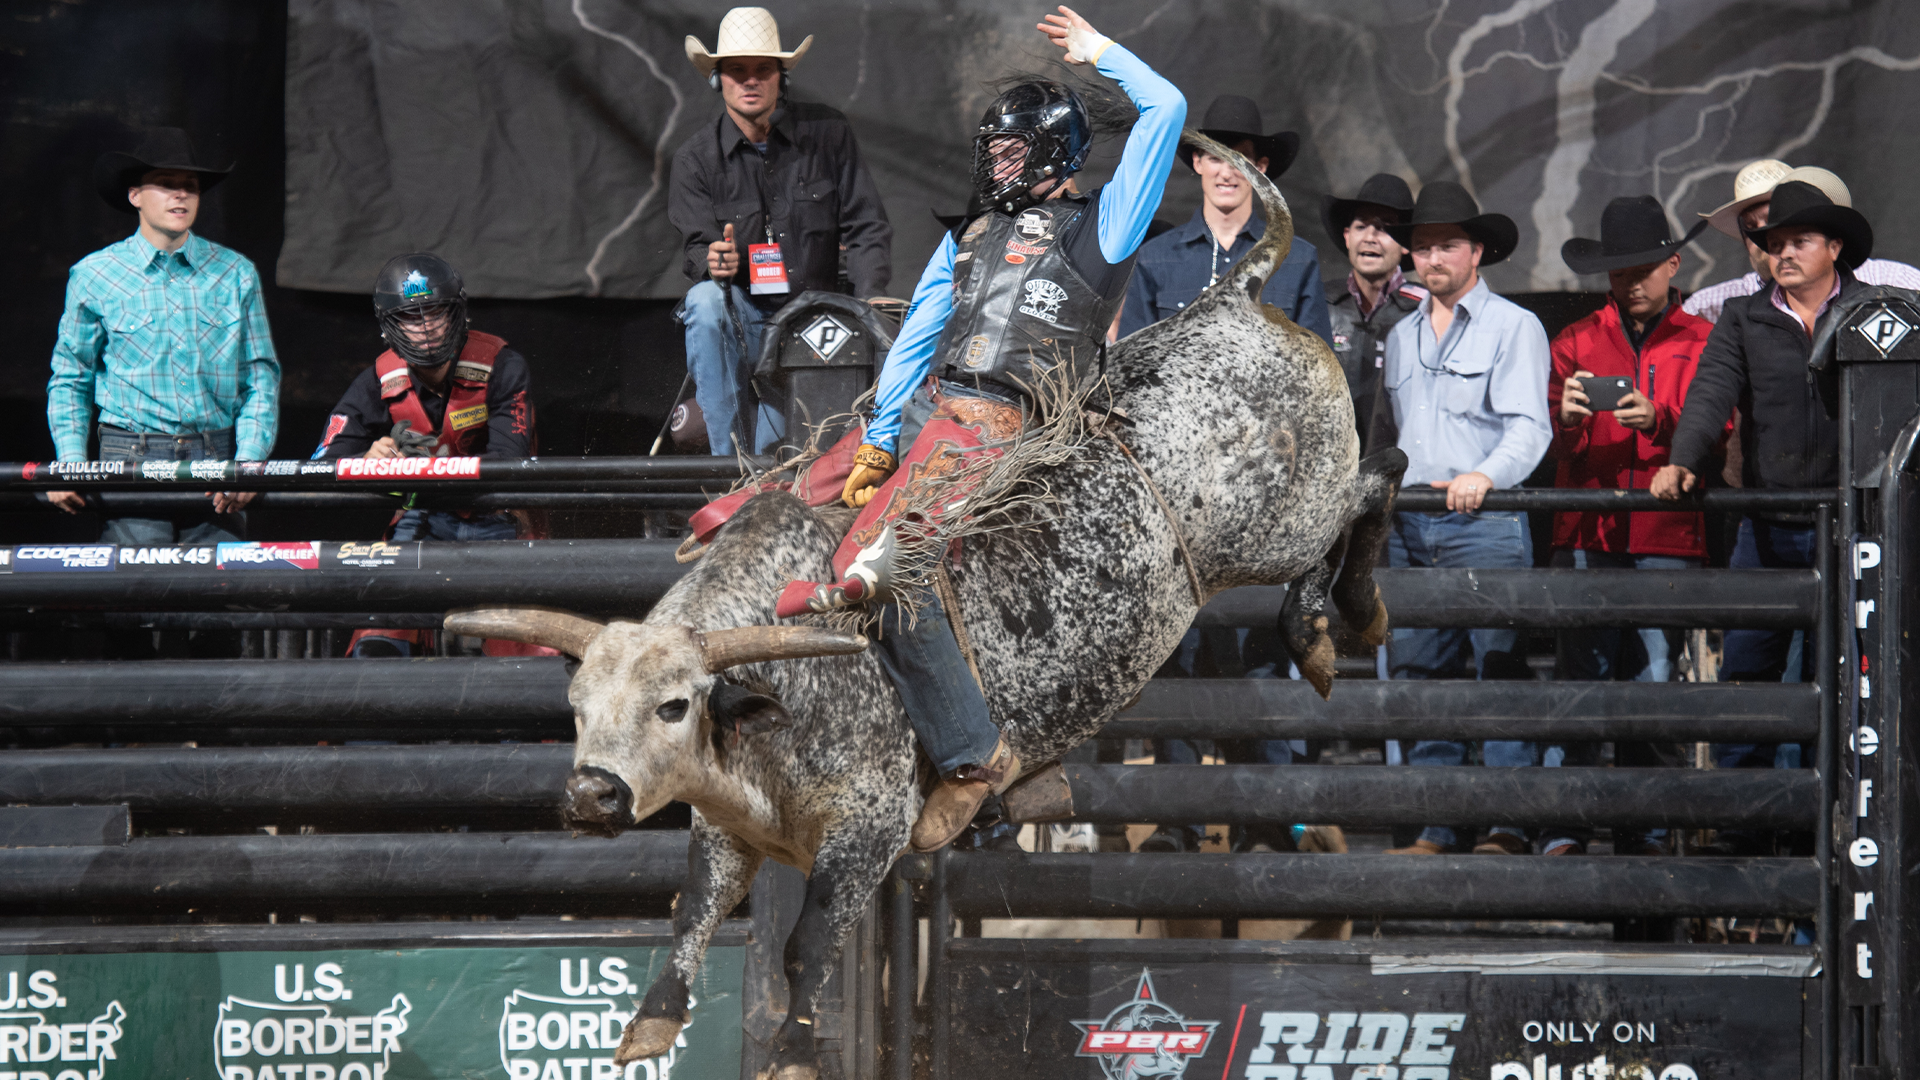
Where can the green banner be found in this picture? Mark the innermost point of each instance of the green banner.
(355, 1014)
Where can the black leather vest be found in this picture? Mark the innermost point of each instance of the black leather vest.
(1019, 306)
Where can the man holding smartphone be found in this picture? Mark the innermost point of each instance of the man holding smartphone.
(1620, 379)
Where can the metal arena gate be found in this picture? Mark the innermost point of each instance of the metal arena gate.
(346, 862)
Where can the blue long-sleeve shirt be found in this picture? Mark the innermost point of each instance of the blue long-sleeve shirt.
(1474, 400)
(1175, 267)
(1126, 207)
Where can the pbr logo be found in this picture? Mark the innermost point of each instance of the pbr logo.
(1144, 1037)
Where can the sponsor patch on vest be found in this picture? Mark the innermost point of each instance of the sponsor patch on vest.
(1043, 299)
(472, 372)
(1016, 258)
(436, 468)
(978, 226)
(1341, 342)
(1033, 224)
(268, 555)
(42, 558)
(461, 419)
(976, 350)
(1026, 249)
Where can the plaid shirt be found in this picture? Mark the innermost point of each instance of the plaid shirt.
(164, 343)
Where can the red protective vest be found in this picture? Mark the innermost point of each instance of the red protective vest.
(1601, 453)
(465, 431)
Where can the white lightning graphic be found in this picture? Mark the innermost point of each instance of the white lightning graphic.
(659, 146)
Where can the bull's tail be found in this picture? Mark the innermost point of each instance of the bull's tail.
(1251, 273)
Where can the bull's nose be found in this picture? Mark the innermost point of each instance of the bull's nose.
(596, 797)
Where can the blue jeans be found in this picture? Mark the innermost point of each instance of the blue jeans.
(440, 525)
(1613, 654)
(1762, 655)
(721, 375)
(194, 527)
(944, 704)
(1460, 541)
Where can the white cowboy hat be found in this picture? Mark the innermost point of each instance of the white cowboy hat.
(745, 31)
(1832, 186)
(1752, 184)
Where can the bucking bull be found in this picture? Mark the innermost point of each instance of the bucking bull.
(790, 743)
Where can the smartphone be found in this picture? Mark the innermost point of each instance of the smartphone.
(1604, 392)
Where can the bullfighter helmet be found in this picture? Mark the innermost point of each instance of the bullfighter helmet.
(415, 284)
(1052, 122)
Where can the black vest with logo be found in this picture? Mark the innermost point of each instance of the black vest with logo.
(1019, 306)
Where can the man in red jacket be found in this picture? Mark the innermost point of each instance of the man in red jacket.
(1641, 336)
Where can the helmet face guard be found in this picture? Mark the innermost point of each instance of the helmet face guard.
(416, 285)
(1051, 121)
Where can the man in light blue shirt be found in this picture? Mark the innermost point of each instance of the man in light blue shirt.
(1466, 383)
(165, 336)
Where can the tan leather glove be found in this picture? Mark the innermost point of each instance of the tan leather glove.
(871, 467)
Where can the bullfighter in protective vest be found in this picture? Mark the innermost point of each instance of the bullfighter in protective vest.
(1030, 282)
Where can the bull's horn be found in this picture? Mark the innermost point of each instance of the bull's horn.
(723, 649)
(551, 627)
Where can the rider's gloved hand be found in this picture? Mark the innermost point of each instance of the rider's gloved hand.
(871, 467)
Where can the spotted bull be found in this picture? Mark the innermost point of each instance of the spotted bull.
(790, 743)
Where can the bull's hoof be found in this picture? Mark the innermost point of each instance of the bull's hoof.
(646, 1037)
(1317, 666)
(1376, 631)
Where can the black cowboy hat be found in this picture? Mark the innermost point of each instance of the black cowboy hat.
(1231, 118)
(1797, 202)
(1633, 232)
(1381, 189)
(160, 148)
(1444, 202)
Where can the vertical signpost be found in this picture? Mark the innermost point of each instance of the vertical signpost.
(1878, 352)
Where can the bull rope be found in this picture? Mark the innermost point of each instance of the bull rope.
(1179, 537)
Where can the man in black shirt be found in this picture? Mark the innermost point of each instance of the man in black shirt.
(777, 186)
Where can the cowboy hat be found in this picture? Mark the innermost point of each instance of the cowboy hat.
(1633, 232)
(1381, 189)
(1232, 118)
(1444, 202)
(1751, 184)
(745, 31)
(160, 148)
(1834, 187)
(1797, 202)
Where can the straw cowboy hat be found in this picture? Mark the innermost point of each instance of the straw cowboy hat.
(1797, 202)
(1444, 202)
(1633, 232)
(745, 31)
(1752, 184)
(161, 148)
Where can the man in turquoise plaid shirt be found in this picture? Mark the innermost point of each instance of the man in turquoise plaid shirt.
(165, 334)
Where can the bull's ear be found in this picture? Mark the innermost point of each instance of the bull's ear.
(742, 710)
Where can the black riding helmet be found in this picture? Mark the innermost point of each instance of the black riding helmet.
(1052, 121)
(420, 282)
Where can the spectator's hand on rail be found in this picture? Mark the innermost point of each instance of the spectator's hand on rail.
(1670, 481)
(1635, 412)
(231, 502)
(382, 448)
(1573, 400)
(722, 261)
(1076, 35)
(1466, 492)
(70, 501)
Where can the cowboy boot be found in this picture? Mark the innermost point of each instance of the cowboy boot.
(953, 802)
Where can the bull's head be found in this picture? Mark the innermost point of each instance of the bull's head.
(649, 708)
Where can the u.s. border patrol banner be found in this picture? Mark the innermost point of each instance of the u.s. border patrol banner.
(355, 1014)
(529, 140)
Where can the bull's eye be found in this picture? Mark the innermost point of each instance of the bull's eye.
(673, 711)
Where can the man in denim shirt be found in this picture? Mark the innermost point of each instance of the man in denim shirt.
(1466, 380)
(165, 334)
